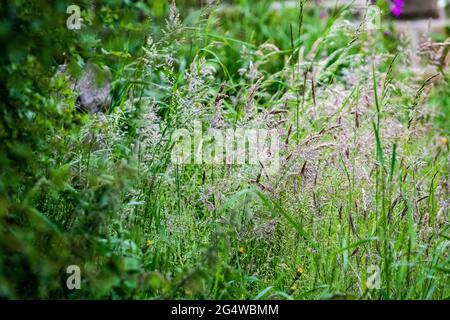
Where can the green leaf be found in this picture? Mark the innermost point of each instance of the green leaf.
(261, 294)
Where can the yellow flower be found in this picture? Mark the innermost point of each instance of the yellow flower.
(299, 270)
(242, 250)
(443, 140)
(150, 243)
(294, 288)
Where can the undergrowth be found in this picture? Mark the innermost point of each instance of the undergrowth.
(363, 189)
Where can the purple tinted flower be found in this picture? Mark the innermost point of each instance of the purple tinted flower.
(323, 14)
(397, 7)
(397, 11)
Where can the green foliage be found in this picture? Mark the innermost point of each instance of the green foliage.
(52, 217)
(440, 101)
(100, 191)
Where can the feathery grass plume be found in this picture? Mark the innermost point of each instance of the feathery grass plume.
(173, 22)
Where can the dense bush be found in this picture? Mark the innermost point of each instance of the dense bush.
(51, 215)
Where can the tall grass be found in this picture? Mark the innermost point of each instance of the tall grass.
(362, 194)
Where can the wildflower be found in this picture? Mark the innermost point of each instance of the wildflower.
(294, 288)
(443, 141)
(242, 250)
(397, 7)
(299, 271)
(150, 243)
